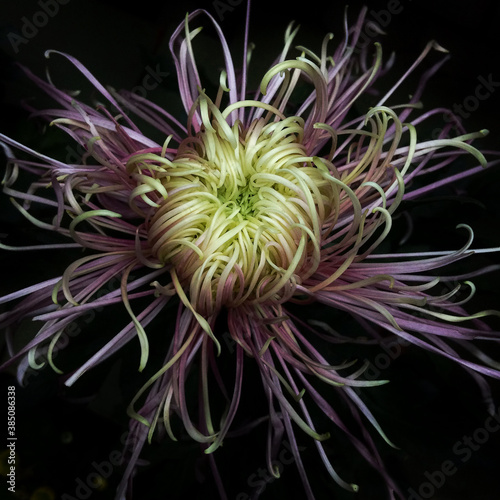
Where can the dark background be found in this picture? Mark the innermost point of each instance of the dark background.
(430, 404)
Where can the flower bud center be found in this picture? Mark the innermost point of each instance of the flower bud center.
(242, 218)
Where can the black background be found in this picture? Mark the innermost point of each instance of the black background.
(430, 404)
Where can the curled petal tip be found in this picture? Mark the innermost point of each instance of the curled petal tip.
(439, 48)
(376, 28)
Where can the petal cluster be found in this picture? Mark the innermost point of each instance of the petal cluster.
(263, 200)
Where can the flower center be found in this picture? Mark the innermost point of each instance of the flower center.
(243, 214)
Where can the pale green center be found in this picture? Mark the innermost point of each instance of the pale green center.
(242, 215)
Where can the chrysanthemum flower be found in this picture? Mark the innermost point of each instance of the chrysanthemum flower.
(255, 205)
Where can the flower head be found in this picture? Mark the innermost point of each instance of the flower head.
(255, 203)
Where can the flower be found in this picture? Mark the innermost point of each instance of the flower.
(254, 206)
